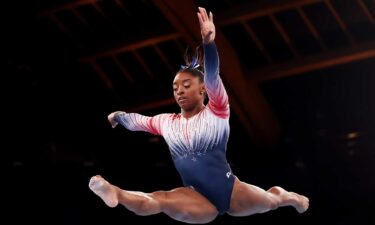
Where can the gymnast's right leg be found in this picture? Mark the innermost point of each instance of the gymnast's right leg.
(182, 204)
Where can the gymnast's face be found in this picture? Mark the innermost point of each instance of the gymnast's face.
(188, 90)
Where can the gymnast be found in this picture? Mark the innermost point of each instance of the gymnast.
(197, 140)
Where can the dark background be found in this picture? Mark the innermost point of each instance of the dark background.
(56, 134)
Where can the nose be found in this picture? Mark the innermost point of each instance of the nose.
(180, 91)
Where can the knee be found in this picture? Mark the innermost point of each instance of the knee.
(274, 198)
(276, 190)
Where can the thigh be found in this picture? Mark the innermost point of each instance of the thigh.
(247, 199)
(186, 204)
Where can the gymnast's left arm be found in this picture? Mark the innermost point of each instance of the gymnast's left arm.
(218, 98)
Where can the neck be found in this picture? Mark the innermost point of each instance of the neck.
(192, 112)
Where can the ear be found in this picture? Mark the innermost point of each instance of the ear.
(202, 89)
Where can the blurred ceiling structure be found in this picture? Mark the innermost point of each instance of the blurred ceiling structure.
(135, 47)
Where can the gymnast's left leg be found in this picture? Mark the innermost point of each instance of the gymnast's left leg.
(248, 199)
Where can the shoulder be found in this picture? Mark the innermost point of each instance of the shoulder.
(165, 116)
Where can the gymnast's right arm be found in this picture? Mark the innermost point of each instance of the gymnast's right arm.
(137, 122)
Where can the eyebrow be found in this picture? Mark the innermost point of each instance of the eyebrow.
(182, 81)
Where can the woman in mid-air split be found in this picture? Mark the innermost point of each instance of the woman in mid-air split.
(197, 139)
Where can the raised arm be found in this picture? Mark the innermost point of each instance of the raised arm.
(218, 98)
(137, 122)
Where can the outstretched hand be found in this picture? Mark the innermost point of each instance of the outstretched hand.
(207, 26)
(111, 119)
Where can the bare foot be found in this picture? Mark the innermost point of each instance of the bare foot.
(302, 203)
(104, 190)
(299, 202)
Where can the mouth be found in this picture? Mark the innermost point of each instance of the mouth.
(182, 100)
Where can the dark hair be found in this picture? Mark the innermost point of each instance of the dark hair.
(194, 63)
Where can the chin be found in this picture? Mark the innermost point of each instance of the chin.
(186, 107)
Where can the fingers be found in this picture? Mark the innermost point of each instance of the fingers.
(211, 17)
(206, 25)
(203, 13)
(200, 19)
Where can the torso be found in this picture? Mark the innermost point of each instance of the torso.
(197, 136)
